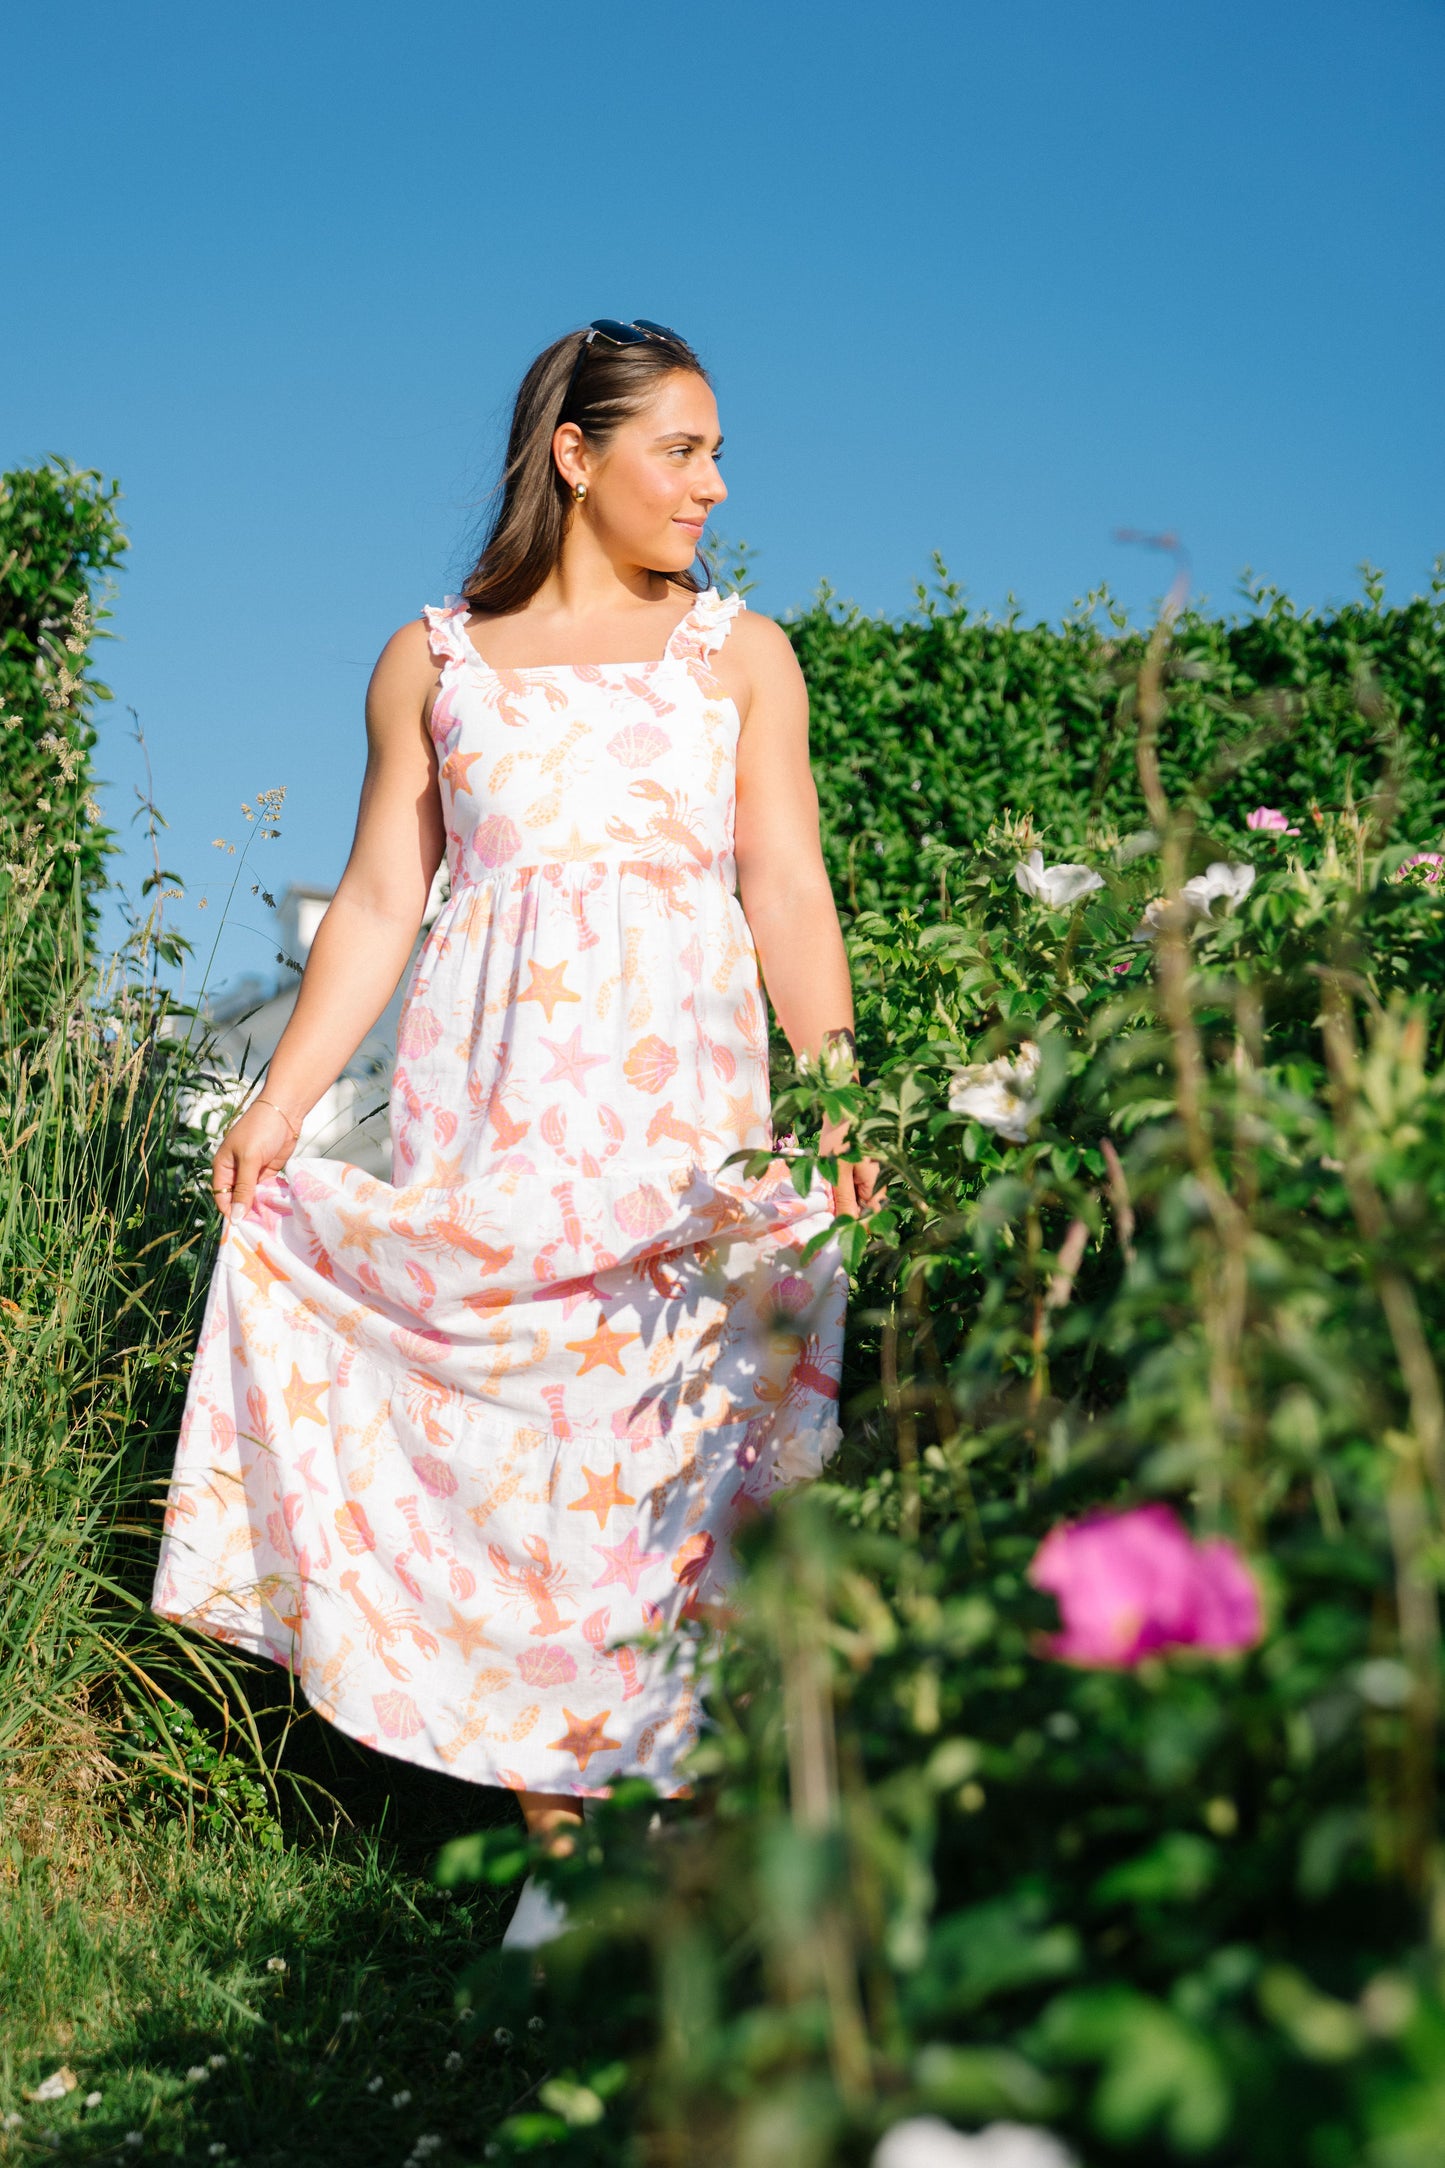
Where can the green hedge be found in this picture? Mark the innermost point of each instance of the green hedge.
(927, 731)
(1191, 1909)
(59, 537)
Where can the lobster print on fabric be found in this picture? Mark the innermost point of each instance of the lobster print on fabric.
(461, 1449)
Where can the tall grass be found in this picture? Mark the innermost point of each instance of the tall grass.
(105, 1240)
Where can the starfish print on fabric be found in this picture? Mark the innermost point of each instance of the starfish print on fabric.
(391, 1450)
(584, 1737)
(303, 1397)
(602, 1494)
(469, 1634)
(457, 768)
(569, 1063)
(547, 986)
(626, 1562)
(260, 1271)
(603, 1348)
(741, 1113)
(575, 848)
(447, 1173)
(358, 1232)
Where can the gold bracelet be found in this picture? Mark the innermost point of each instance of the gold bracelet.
(283, 1114)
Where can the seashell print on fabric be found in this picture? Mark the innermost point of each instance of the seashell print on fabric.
(638, 745)
(651, 1064)
(419, 1033)
(546, 1667)
(642, 1211)
(435, 1476)
(792, 1294)
(496, 840)
(463, 1445)
(398, 1715)
(354, 1528)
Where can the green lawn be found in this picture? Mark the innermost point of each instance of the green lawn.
(229, 1998)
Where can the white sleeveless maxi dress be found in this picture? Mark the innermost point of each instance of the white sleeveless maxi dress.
(461, 1449)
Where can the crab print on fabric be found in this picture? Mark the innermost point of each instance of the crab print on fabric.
(462, 1448)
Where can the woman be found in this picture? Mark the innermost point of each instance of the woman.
(456, 1446)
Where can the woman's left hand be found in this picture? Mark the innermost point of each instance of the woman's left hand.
(856, 1191)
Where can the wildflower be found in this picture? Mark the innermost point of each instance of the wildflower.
(996, 1093)
(216, 2062)
(926, 2142)
(374, 2085)
(92, 2100)
(1230, 882)
(349, 2017)
(1427, 866)
(12, 2121)
(134, 2137)
(217, 2149)
(401, 2099)
(1221, 879)
(1056, 886)
(453, 2063)
(1271, 820)
(197, 2074)
(427, 2144)
(534, 2024)
(1133, 1583)
(502, 2037)
(275, 1964)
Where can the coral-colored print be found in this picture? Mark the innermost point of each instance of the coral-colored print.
(568, 1346)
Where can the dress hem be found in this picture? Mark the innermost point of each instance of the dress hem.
(400, 1750)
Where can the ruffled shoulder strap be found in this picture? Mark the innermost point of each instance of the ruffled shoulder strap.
(446, 630)
(699, 635)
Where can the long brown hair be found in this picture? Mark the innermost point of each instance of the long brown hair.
(524, 538)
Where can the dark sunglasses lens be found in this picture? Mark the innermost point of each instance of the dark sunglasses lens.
(620, 334)
(661, 331)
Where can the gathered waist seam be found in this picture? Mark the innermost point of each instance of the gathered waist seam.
(554, 869)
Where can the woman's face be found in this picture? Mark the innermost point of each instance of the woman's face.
(649, 494)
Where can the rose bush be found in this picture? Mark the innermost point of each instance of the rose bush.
(1077, 1741)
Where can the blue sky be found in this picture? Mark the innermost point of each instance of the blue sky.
(993, 281)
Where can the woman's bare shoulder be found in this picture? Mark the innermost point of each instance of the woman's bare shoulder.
(409, 650)
(404, 681)
(407, 666)
(758, 656)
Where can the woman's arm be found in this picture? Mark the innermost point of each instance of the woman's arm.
(782, 881)
(363, 942)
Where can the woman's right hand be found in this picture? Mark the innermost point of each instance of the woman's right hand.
(257, 1144)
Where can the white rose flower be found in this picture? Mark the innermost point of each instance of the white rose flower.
(1198, 897)
(1057, 886)
(996, 1093)
(925, 2142)
(1230, 883)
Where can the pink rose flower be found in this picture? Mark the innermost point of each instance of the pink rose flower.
(1269, 818)
(1131, 1584)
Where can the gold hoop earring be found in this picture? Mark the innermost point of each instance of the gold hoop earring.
(579, 491)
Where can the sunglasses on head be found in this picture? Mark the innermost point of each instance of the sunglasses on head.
(638, 333)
